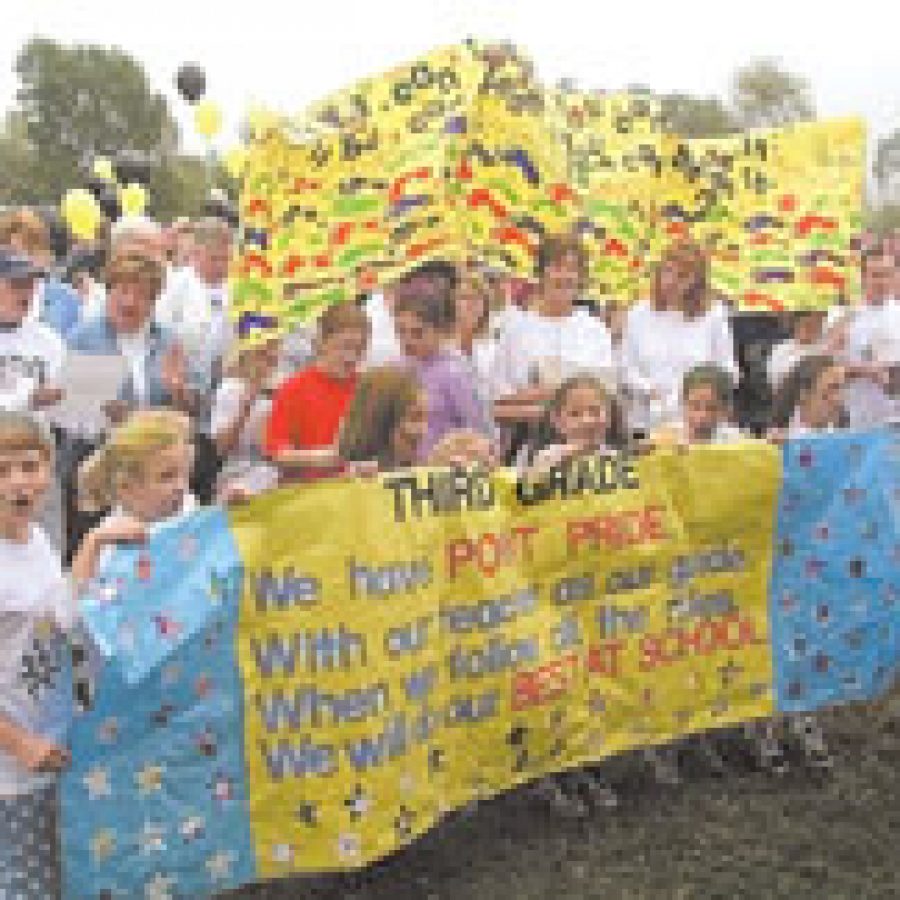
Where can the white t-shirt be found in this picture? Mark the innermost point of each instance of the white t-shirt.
(134, 348)
(659, 348)
(384, 348)
(30, 356)
(798, 429)
(226, 405)
(784, 356)
(36, 604)
(198, 314)
(536, 349)
(94, 307)
(725, 433)
(872, 336)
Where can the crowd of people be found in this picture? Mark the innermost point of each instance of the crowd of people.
(448, 365)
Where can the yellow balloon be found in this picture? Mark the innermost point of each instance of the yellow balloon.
(234, 159)
(81, 213)
(207, 118)
(132, 199)
(103, 168)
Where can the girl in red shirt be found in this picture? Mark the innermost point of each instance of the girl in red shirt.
(307, 410)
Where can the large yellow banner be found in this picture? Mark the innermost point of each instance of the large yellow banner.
(411, 643)
(462, 152)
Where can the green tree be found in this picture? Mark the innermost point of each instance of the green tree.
(17, 161)
(764, 95)
(82, 101)
(179, 187)
(883, 219)
(697, 117)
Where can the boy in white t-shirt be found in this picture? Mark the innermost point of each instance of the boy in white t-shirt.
(36, 607)
(31, 357)
(31, 354)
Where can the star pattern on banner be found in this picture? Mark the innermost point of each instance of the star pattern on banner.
(155, 802)
(357, 804)
(97, 783)
(219, 866)
(160, 887)
(828, 606)
(149, 778)
(152, 839)
(103, 843)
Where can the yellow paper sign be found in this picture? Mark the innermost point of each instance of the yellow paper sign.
(439, 637)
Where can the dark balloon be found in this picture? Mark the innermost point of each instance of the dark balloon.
(134, 168)
(191, 82)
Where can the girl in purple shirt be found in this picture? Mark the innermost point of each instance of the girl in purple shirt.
(422, 317)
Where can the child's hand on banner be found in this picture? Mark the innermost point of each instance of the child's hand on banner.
(39, 755)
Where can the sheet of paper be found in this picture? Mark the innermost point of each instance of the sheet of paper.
(89, 384)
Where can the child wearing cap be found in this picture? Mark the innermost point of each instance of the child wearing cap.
(31, 354)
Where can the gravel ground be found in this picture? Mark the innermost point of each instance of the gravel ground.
(744, 834)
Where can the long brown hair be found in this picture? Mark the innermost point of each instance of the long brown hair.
(687, 255)
(382, 400)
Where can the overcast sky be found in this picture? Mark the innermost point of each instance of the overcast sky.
(287, 54)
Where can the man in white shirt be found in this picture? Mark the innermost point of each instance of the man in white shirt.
(867, 338)
(196, 306)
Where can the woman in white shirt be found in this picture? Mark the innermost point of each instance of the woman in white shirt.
(679, 328)
(551, 341)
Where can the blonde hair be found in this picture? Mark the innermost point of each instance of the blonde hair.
(237, 360)
(126, 453)
(20, 433)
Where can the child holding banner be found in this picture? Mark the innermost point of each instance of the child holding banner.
(142, 476)
(387, 423)
(581, 417)
(810, 400)
(36, 606)
(810, 403)
(706, 406)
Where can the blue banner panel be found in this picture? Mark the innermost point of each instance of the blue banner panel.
(835, 596)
